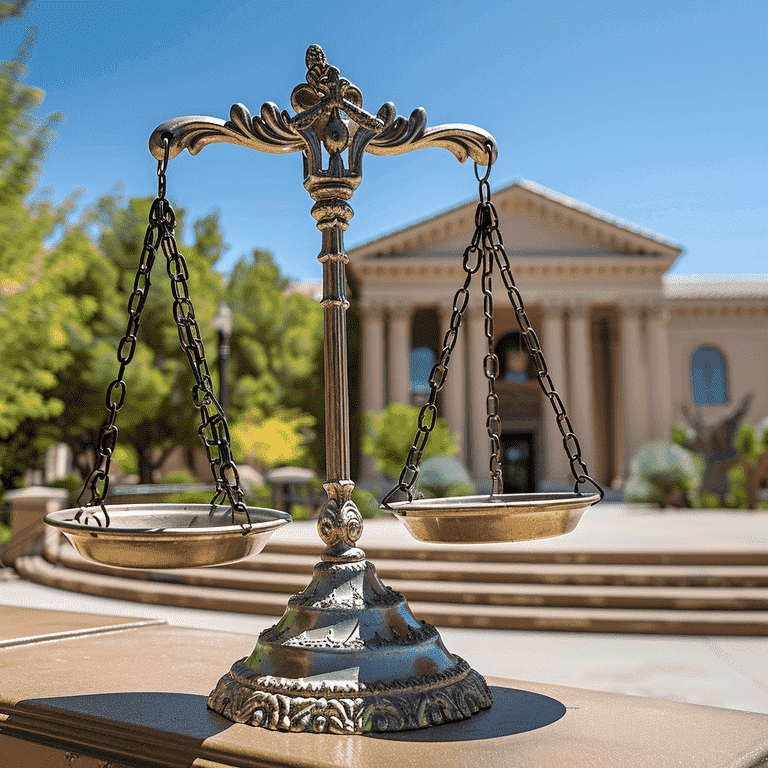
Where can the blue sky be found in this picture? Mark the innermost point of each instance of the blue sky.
(654, 112)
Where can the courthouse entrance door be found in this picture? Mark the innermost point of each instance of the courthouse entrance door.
(518, 463)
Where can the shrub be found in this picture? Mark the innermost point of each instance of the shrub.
(72, 484)
(441, 476)
(367, 504)
(389, 435)
(660, 472)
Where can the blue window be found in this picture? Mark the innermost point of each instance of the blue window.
(422, 361)
(709, 377)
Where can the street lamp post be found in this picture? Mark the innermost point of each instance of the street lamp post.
(222, 322)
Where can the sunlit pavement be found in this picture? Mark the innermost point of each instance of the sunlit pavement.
(715, 671)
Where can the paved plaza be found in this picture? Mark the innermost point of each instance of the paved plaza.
(717, 671)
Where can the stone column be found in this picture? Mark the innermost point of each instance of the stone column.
(634, 393)
(582, 410)
(400, 316)
(660, 404)
(556, 472)
(479, 453)
(373, 386)
(455, 389)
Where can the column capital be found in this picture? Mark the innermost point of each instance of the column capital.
(659, 313)
(374, 310)
(578, 310)
(632, 308)
(399, 309)
(552, 309)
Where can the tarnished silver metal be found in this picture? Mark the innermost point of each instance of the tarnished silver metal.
(170, 535)
(348, 656)
(488, 520)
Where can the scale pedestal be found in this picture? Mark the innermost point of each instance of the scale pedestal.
(348, 656)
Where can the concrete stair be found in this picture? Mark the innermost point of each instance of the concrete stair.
(712, 593)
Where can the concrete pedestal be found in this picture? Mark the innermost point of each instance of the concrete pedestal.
(102, 690)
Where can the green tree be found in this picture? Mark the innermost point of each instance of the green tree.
(276, 348)
(35, 309)
(159, 413)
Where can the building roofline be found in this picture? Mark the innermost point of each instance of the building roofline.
(541, 191)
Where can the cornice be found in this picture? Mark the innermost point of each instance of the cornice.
(598, 268)
(725, 307)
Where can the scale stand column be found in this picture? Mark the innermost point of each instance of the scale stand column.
(348, 656)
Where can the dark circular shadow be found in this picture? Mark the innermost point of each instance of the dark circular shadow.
(513, 711)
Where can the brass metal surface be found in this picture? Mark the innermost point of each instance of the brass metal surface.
(170, 535)
(487, 520)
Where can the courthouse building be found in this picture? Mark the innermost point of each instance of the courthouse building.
(626, 348)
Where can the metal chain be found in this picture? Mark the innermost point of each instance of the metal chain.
(492, 243)
(213, 429)
(491, 370)
(97, 482)
(438, 376)
(485, 248)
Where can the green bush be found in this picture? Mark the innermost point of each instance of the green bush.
(179, 477)
(72, 484)
(299, 512)
(662, 470)
(367, 504)
(389, 435)
(441, 476)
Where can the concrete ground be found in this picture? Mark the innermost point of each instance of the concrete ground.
(716, 671)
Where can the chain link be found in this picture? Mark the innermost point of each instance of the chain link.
(493, 244)
(213, 429)
(491, 370)
(486, 247)
(472, 261)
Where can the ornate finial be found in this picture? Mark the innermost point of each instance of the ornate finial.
(315, 57)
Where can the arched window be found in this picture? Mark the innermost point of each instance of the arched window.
(422, 361)
(709, 377)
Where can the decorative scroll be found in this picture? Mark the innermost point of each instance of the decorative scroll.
(270, 132)
(462, 141)
(329, 111)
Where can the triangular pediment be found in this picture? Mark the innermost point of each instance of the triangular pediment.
(534, 221)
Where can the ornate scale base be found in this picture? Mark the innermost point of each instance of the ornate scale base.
(349, 657)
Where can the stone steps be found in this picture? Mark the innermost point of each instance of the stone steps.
(666, 599)
(416, 551)
(711, 622)
(510, 592)
(546, 572)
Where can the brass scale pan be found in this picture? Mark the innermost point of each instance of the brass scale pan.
(192, 535)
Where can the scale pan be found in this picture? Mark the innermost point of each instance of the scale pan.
(169, 535)
(488, 520)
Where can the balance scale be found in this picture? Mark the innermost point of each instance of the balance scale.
(348, 656)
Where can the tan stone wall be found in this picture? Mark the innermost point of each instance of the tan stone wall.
(743, 340)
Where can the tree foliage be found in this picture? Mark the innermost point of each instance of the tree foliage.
(64, 289)
(36, 310)
(389, 435)
(276, 358)
(159, 413)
